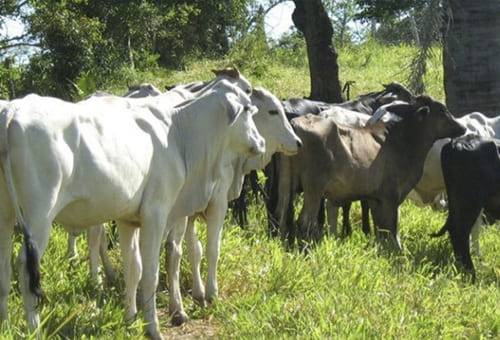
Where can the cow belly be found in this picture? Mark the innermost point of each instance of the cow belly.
(352, 185)
(106, 186)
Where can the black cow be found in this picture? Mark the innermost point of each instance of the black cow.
(471, 170)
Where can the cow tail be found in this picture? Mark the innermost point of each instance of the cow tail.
(441, 231)
(32, 256)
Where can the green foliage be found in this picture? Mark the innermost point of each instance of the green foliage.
(252, 51)
(291, 50)
(9, 79)
(387, 9)
(82, 37)
(343, 13)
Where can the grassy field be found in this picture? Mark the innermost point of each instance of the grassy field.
(344, 288)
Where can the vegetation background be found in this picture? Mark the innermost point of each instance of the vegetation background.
(346, 288)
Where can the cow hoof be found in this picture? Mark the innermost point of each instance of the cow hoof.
(178, 318)
(211, 299)
(156, 335)
(111, 277)
(200, 301)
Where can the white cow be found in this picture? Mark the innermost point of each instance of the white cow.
(102, 159)
(278, 133)
(143, 96)
(431, 186)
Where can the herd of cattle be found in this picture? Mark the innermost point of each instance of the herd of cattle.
(154, 162)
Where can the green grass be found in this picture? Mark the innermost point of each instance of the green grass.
(344, 288)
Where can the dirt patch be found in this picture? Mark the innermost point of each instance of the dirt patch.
(193, 329)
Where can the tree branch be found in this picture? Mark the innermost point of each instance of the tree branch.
(19, 37)
(7, 47)
(263, 12)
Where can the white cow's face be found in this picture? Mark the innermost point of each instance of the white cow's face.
(273, 125)
(244, 138)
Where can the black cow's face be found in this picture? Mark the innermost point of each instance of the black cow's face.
(440, 119)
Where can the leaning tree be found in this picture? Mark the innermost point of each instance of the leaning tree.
(311, 19)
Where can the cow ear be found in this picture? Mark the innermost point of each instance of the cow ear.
(233, 108)
(216, 72)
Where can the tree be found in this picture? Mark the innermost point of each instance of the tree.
(312, 20)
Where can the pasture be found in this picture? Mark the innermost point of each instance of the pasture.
(342, 288)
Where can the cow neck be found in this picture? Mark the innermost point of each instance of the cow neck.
(202, 134)
(411, 142)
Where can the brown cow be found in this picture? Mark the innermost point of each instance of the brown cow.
(378, 163)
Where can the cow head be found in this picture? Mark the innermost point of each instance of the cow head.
(435, 117)
(273, 125)
(233, 75)
(244, 138)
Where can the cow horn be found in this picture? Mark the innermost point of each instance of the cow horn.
(383, 110)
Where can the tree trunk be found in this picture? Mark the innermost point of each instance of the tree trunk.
(130, 53)
(471, 57)
(312, 20)
(414, 29)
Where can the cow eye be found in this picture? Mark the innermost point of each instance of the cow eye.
(248, 91)
(273, 112)
(247, 107)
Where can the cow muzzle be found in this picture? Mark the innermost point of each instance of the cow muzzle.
(292, 148)
(258, 148)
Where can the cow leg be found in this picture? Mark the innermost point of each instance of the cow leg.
(215, 220)
(40, 229)
(195, 253)
(72, 251)
(284, 200)
(271, 189)
(346, 224)
(365, 217)
(319, 230)
(132, 266)
(332, 211)
(460, 234)
(474, 236)
(103, 252)
(461, 248)
(153, 225)
(385, 217)
(7, 231)
(174, 254)
(308, 217)
(94, 242)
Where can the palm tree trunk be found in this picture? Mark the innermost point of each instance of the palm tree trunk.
(471, 57)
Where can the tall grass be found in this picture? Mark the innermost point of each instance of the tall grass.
(344, 288)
